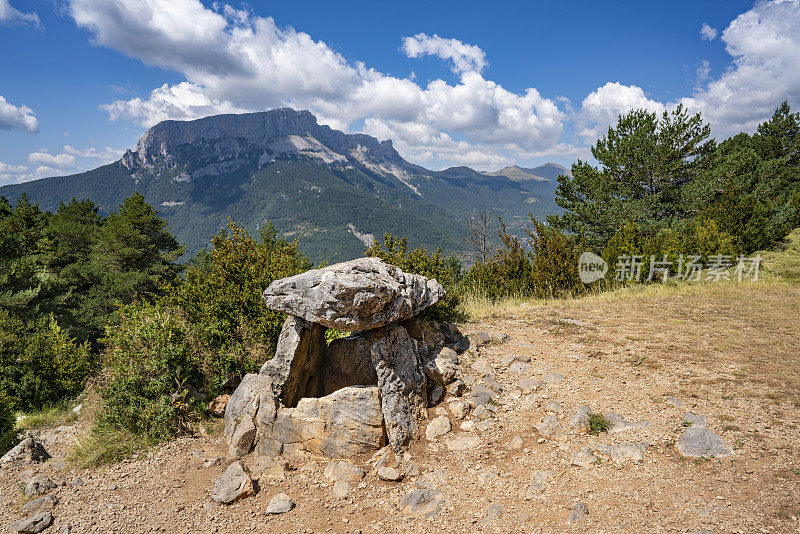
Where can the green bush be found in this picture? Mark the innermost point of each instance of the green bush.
(554, 262)
(445, 270)
(150, 364)
(213, 327)
(39, 364)
(7, 423)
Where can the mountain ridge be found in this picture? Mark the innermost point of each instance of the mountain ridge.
(325, 186)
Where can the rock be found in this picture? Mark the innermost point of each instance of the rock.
(458, 408)
(632, 452)
(344, 424)
(435, 395)
(241, 410)
(519, 368)
(530, 402)
(438, 427)
(483, 426)
(456, 389)
(690, 419)
(480, 396)
(27, 451)
(77, 482)
(699, 441)
(585, 457)
(217, 406)
(552, 378)
(424, 503)
(515, 444)
(390, 474)
(492, 514)
(268, 469)
(491, 382)
(481, 338)
(296, 370)
(381, 458)
(580, 421)
(232, 485)
(348, 362)
(619, 424)
(402, 384)
(549, 426)
(481, 412)
(467, 426)
(353, 296)
(674, 401)
(554, 407)
(41, 504)
(341, 488)
(213, 462)
(500, 337)
(280, 504)
(39, 485)
(443, 367)
(463, 443)
(342, 470)
(32, 525)
(482, 367)
(578, 513)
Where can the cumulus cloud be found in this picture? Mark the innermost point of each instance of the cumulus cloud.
(235, 61)
(11, 174)
(21, 118)
(9, 15)
(602, 106)
(106, 155)
(765, 70)
(52, 161)
(465, 57)
(707, 32)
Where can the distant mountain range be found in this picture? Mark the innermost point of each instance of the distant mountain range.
(333, 191)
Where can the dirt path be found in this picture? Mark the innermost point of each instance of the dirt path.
(731, 356)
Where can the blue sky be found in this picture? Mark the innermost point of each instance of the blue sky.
(451, 83)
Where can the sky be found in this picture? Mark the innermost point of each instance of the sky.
(450, 83)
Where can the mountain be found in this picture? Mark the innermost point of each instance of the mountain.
(541, 181)
(334, 191)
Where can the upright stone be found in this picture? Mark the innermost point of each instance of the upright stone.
(296, 368)
(354, 296)
(402, 382)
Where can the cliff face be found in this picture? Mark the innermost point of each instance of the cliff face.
(232, 134)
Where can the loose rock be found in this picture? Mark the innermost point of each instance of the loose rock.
(438, 427)
(578, 513)
(32, 525)
(280, 504)
(233, 485)
(40, 485)
(424, 503)
(698, 441)
(390, 474)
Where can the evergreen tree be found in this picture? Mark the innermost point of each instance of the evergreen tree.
(133, 258)
(644, 163)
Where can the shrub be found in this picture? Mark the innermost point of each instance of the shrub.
(445, 270)
(7, 421)
(554, 262)
(598, 423)
(150, 365)
(39, 364)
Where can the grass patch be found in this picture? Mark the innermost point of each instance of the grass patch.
(598, 423)
(102, 446)
(59, 414)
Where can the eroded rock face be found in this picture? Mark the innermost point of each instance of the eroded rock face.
(347, 423)
(296, 368)
(254, 394)
(402, 382)
(353, 296)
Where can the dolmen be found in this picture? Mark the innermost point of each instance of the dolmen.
(351, 397)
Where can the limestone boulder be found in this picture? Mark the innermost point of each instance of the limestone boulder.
(402, 383)
(353, 296)
(345, 424)
(253, 401)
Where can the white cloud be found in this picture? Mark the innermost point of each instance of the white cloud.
(764, 43)
(602, 106)
(9, 15)
(11, 174)
(54, 161)
(235, 61)
(22, 117)
(106, 155)
(765, 70)
(707, 32)
(465, 57)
